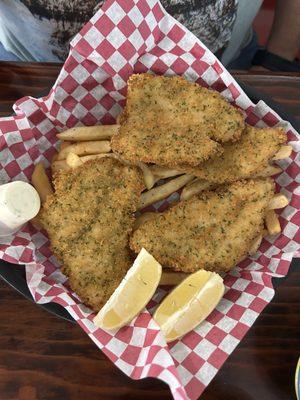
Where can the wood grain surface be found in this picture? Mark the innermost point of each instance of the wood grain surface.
(45, 358)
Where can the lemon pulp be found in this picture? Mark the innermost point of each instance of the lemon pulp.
(189, 304)
(133, 293)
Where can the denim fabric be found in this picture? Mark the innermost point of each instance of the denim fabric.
(7, 55)
(244, 59)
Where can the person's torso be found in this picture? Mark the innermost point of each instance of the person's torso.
(58, 21)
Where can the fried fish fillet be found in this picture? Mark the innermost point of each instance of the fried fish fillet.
(89, 219)
(170, 121)
(242, 159)
(212, 231)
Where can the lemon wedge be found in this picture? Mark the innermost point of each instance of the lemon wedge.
(189, 304)
(73, 160)
(131, 296)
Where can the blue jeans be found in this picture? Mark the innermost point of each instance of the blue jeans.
(244, 59)
(7, 55)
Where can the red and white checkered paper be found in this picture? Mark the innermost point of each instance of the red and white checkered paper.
(125, 37)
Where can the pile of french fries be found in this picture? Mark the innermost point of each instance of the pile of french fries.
(81, 144)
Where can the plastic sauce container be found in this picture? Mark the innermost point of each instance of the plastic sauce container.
(19, 203)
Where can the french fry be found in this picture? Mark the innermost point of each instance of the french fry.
(85, 133)
(148, 175)
(64, 145)
(269, 170)
(283, 152)
(172, 278)
(195, 187)
(163, 191)
(85, 148)
(59, 166)
(73, 160)
(272, 223)
(41, 182)
(96, 156)
(255, 245)
(122, 160)
(143, 218)
(192, 182)
(104, 155)
(164, 172)
(278, 201)
(118, 119)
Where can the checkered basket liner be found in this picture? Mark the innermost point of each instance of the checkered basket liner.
(125, 37)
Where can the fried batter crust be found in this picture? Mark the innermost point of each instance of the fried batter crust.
(242, 159)
(212, 231)
(89, 219)
(170, 121)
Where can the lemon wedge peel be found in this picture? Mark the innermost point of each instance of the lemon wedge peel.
(202, 291)
(133, 293)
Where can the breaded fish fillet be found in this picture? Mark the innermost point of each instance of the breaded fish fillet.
(170, 121)
(242, 159)
(213, 230)
(89, 219)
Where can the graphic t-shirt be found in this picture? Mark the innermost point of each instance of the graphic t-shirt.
(41, 30)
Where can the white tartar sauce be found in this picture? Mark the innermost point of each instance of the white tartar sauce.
(19, 203)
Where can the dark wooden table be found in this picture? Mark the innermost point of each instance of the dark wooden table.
(43, 357)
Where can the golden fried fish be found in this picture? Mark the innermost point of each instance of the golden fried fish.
(243, 159)
(212, 231)
(170, 121)
(89, 219)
